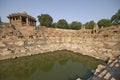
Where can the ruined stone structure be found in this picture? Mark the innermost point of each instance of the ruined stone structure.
(16, 41)
(23, 41)
(21, 19)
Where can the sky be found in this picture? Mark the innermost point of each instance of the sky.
(71, 10)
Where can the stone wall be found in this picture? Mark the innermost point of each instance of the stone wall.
(22, 41)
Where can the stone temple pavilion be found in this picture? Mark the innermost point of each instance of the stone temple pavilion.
(21, 19)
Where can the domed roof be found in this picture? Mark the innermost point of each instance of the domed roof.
(22, 12)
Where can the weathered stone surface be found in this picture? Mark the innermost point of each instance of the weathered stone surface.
(5, 52)
(30, 42)
(78, 79)
(99, 68)
(22, 50)
(33, 41)
(2, 44)
(19, 43)
(111, 71)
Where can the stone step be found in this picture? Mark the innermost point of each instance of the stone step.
(112, 64)
(107, 76)
(102, 73)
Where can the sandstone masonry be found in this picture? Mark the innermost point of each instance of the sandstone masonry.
(16, 41)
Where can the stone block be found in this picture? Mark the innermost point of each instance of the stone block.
(117, 65)
(78, 79)
(19, 43)
(99, 68)
(102, 74)
(5, 52)
(107, 76)
(2, 44)
(22, 50)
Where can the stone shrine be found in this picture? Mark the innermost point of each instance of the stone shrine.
(21, 19)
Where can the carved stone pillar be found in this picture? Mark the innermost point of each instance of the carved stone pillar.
(21, 20)
(27, 22)
(15, 19)
(10, 20)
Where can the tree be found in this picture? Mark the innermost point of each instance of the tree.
(75, 25)
(116, 18)
(54, 25)
(89, 25)
(104, 23)
(62, 23)
(45, 20)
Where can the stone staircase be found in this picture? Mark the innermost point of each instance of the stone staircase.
(111, 71)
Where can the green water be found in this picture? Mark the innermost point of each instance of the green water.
(57, 65)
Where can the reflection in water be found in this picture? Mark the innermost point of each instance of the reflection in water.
(57, 65)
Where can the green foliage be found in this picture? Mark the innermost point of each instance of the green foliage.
(62, 23)
(89, 25)
(45, 20)
(116, 18)
(54, 25)
(75, 25)
(104, 23)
